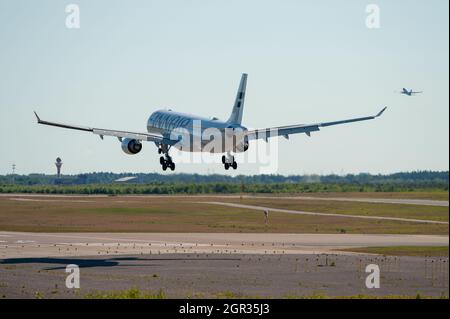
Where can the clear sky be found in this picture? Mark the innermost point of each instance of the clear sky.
(307, 61)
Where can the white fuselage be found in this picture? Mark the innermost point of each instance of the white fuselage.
(198, 134)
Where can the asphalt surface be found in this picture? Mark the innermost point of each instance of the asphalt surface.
(420, 202)
(25, 245)
(201, 265)
(224, 275)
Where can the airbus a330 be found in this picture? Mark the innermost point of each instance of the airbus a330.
(190, 133)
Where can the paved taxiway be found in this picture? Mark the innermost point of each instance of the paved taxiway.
(288, 211)
(25, 245)
(420, 202)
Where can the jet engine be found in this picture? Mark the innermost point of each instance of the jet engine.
(235, 136)
(242, 144)
(130, 146)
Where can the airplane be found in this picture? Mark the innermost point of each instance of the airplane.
(410, 92)
(167, 129)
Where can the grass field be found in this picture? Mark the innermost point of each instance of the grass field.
(415, 251)
(185, 214)
(135, 293)
(437, 213)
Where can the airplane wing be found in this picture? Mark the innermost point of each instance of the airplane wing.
(302, 128)
(105, 132)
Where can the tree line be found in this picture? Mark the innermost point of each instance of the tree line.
(103, 183)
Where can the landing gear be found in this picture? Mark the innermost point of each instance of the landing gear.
(165, 161)
(228, 161)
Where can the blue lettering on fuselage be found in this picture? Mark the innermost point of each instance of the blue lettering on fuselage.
(164, 121)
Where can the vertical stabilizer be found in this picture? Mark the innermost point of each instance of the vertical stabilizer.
(238, 107)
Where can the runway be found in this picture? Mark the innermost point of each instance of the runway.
(215, 265)
(27, 245)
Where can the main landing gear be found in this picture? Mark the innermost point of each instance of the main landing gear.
(165, 161)
(228, 161)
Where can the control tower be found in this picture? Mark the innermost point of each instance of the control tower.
(58, 164)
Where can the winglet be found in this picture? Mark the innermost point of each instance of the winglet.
(37, 117)
(381, 112)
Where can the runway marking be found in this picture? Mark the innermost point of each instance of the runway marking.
(262, 208)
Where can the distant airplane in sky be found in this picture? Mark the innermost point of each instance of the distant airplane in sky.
(409, 93)
(193, 133)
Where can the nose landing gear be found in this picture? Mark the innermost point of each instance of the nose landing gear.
(228, 161)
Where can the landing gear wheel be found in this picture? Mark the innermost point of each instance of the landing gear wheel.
(227, 166)
(223, 159)
(234, 165)
(165, 160)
